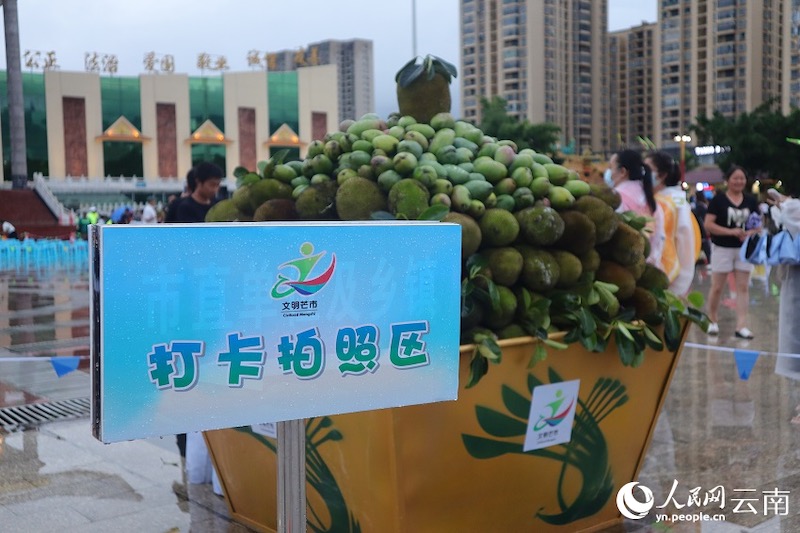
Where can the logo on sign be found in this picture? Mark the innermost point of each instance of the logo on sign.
(630, 506)
(554, 416)
(299, 271)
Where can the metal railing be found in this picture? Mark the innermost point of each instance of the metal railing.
(64, 216)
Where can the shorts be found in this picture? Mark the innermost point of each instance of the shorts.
(724, 260)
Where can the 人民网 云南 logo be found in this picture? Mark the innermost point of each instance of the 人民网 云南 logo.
(555, 416)
(630, 506)
(301, 282)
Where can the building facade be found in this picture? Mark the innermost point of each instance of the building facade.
(791, 57)
(631, 82)
(160, 125)
(546, 58)
(354, 67)
(719, 55)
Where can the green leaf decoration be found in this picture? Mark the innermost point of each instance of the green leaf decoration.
(434, 212)
(478, 368)
(696, 299)
(555, 344)
(445, 67)
(652, 339)
(515, 402)
(672, 332)
(539, 354)
(498, 424)
(279, 156)
(410, 75)
(405, 68)
(482, 448)
(260, 166)
(626, 347)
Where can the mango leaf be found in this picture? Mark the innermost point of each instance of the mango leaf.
(404, 67)
(477, 369)
(672, 332)
(409, 75)
(626, 348)
(260, 166)
(589, 342)
(239, 172)
(652, 339)
(696, 299)
(624, 330)
(555, 344)
(444, 68)
(434, 212)
(515, 402)
(477, 260)
(539, 354)
(498, 424)
(279, 156)
(488, 353)
(588, 324)
(638, 359)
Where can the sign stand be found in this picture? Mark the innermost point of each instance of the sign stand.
(292, 476)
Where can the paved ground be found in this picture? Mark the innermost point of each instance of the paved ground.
(716, 430)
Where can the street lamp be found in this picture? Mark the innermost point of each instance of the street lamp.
(683, 139)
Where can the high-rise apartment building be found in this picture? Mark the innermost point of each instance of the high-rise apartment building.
(354, 64)
(716, 55)
(791, 56)
(546, 58)
(631, 81)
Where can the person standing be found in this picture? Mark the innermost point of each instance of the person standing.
(149, 215)
(194, 207)
(725, 221)
(679, 256)
(631, 179)
(172, 206)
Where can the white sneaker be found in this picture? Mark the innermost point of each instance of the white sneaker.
(713, 329)
(744, 333)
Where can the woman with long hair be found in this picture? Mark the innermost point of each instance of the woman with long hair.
(680, 248)
(631, 179)
(726, 222)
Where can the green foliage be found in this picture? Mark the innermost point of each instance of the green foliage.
(757, 141)
(498, 123)
(427, 66)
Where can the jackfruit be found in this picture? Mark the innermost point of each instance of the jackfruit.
(357, 198)
(618, 275)
(539, 269)
(626, 246)
(503, 314)
(603, 216)
(569, 268)
(645, 304)
(317, 202)
(605, 193)
(408, 198)
(470, 232)
(277, 209)
(223, 211)
(541, 226)
(579, 235)
(653, 278)
(505, 264)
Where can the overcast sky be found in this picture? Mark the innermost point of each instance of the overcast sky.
(186, 28)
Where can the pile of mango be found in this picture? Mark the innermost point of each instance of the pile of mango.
(534, 224)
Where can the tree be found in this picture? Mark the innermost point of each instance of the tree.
(498, 123)
(757, 142)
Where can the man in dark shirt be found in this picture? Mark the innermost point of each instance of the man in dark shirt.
(194, 207)
(172, 207)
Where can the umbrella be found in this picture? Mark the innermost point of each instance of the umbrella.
(116, 215)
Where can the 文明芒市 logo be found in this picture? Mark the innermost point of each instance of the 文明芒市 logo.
(554, 417)
(629, 506)
(303, 266)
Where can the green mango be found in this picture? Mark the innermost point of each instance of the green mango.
(444, 137)
(493, 170)
(424, 129)
(479, 189)
(387, 143)
(460, 198)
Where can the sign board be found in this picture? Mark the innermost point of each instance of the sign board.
(552, 413)
(207, 326)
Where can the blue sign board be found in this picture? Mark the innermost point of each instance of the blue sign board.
(201, 326)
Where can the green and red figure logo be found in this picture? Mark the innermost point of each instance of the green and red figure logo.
(300, 280)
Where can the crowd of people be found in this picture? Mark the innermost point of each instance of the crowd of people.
(200, 192)
(684, 231)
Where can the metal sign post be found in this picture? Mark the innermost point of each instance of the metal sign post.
(292, 476)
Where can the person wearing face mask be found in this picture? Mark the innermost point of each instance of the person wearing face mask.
(629, 176)
(680, 245)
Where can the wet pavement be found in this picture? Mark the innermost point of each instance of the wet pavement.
(716, 430)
